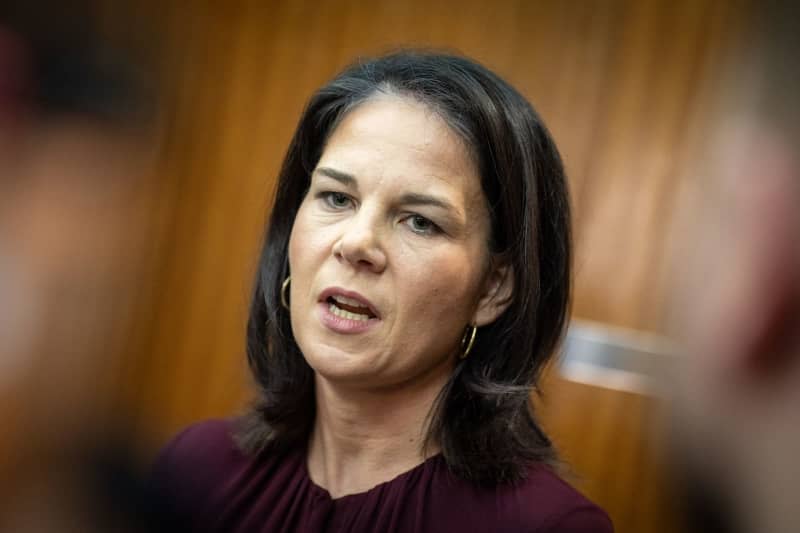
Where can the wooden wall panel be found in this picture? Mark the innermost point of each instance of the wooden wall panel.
(613, 446)
(623, 85)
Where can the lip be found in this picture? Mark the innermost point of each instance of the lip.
(343, 325)
(338, 291)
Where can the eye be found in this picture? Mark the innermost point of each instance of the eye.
(422, 225)
(336, 200)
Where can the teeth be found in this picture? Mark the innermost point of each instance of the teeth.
(348, 301)
(341, 313)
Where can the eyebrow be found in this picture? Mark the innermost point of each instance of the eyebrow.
(342, 177)
(426, 199)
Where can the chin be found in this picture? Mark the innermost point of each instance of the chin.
(335, 364)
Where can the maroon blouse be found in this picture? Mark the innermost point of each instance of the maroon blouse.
(221, 489)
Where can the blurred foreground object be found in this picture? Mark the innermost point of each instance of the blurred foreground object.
(736, 302)
(76, 144)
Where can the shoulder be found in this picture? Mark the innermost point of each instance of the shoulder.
(204, 475)
(209, 443)
(544, 502)
(196, 460)
(541, 503)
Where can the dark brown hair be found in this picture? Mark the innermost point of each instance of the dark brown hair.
(483, 419)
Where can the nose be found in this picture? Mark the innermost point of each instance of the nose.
(360, 244)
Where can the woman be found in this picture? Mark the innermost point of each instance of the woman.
(413, 282)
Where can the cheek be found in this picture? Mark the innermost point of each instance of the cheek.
(441, 285)
(310, 245)
(300, 241)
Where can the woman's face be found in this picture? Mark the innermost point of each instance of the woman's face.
(388, 253)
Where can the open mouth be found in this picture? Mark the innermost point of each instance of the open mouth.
(349, 308)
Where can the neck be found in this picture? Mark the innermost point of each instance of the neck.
(362, 438)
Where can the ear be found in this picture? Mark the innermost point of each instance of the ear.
(496, 295)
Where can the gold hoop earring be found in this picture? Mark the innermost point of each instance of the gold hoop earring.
(285, 286)
(469, 342)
